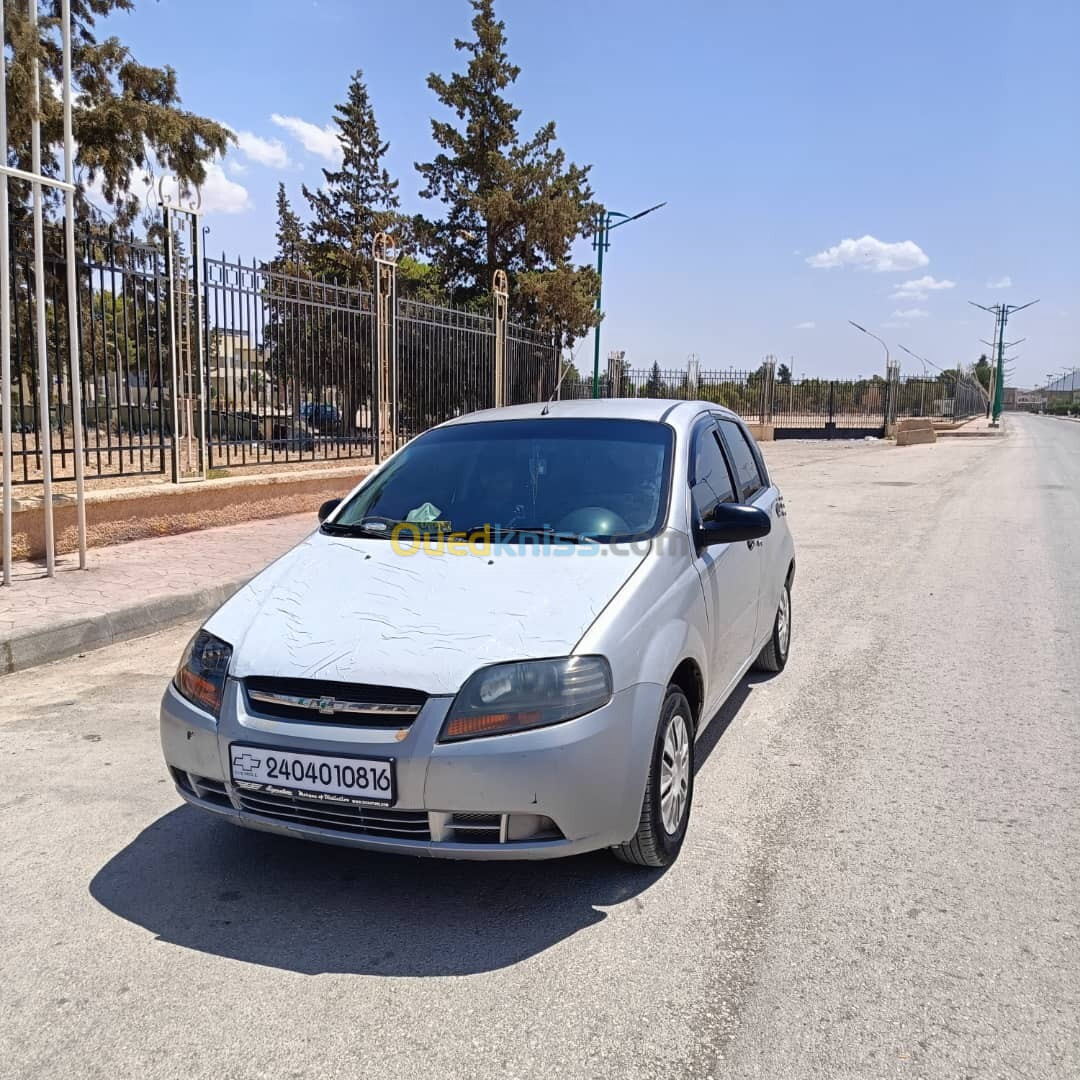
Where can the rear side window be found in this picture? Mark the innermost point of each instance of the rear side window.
(711, 479)
(748, 476)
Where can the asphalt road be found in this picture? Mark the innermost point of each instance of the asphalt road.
(881, 878)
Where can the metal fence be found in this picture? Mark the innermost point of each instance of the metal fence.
(288, 367)
(532, 362)
(252, 363)
(949, 396)
(445, 365)
(830, 408)
(124, 358)
(797, 408)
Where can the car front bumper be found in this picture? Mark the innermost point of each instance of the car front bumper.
(586, 776)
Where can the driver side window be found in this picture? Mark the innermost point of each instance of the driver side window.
(710, 479)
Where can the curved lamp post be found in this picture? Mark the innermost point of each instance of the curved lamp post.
(878, 340)
(605, 222)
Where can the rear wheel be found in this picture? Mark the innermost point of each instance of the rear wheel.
(774, 656)
(665, 810)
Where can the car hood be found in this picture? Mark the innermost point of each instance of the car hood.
(354, 610)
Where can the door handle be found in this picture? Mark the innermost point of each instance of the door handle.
(751, 544)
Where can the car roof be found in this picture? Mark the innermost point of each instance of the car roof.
(678, 413)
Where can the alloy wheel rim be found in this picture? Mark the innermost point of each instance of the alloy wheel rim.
(783, 622)
(674, 774)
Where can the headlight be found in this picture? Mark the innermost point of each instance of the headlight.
(533, 693)
(201, 675)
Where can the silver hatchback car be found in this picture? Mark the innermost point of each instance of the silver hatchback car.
(502, 644)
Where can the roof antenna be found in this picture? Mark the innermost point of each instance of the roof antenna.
(568, 364)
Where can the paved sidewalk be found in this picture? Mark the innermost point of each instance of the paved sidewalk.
(979, 426)
(133, 588)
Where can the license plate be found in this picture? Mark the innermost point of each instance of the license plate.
(315, 776)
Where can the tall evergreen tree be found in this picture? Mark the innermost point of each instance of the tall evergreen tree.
(509, 204)
(290, 327)
(290, 233)
(357, 200)
(654, 387)
(125, 115)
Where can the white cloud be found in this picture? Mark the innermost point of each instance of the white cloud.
(908, 314)
(269, 152)
(219, 193)
(1001, 283)
(322, 141)
(920, 288)
(869, 253)
(237, 168)
(805, 326)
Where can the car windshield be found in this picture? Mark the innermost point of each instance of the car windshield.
(604, 479)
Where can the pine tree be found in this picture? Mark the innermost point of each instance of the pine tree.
(125, 115)
(357, 200)
(290, 233)
(288, 326)
(655, 388)
(510, 205)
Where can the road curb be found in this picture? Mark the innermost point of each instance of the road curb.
(19, 652)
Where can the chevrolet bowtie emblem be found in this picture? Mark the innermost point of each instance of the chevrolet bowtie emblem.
(326, 706)
(246, 765)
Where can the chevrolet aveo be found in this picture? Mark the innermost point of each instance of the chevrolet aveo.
(502, 644)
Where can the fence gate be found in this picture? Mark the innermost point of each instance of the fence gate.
(829, 408)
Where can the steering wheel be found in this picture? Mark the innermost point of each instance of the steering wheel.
(593, 521)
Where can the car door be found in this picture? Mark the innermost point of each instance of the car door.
(755, 489)
(729, 572)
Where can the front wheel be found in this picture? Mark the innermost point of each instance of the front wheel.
(774, 656)
(665, 810)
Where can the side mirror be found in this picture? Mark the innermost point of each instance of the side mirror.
(328, 508)
(731, 522)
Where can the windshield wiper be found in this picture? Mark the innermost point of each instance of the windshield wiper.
(545, 531)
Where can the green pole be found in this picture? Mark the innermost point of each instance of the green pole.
(999, 393)
(601, 240)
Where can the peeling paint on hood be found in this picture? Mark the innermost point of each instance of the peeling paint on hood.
(353, 610)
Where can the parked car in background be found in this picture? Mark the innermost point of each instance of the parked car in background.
(532, 691)
(287, 434)
(324, 419)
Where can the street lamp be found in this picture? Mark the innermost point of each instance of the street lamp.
(1001, 313)
(878, 340)
(926, 379)
(605, 222)
(926, 370)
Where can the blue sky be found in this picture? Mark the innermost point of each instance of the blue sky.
(947, 133)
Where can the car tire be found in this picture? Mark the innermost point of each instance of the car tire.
(665, 811)
(774, 656)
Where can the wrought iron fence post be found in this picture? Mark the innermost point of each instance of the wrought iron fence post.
(187, 367)
(693, 375)
(501, 292)
(386, 381)
(767, 389)
(615, 372)
(174, 373)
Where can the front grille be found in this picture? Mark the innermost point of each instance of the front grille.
(362, 820)
(203, 788)
(477, 828)
(314, 701)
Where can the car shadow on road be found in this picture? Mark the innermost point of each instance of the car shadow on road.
(204, 884)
